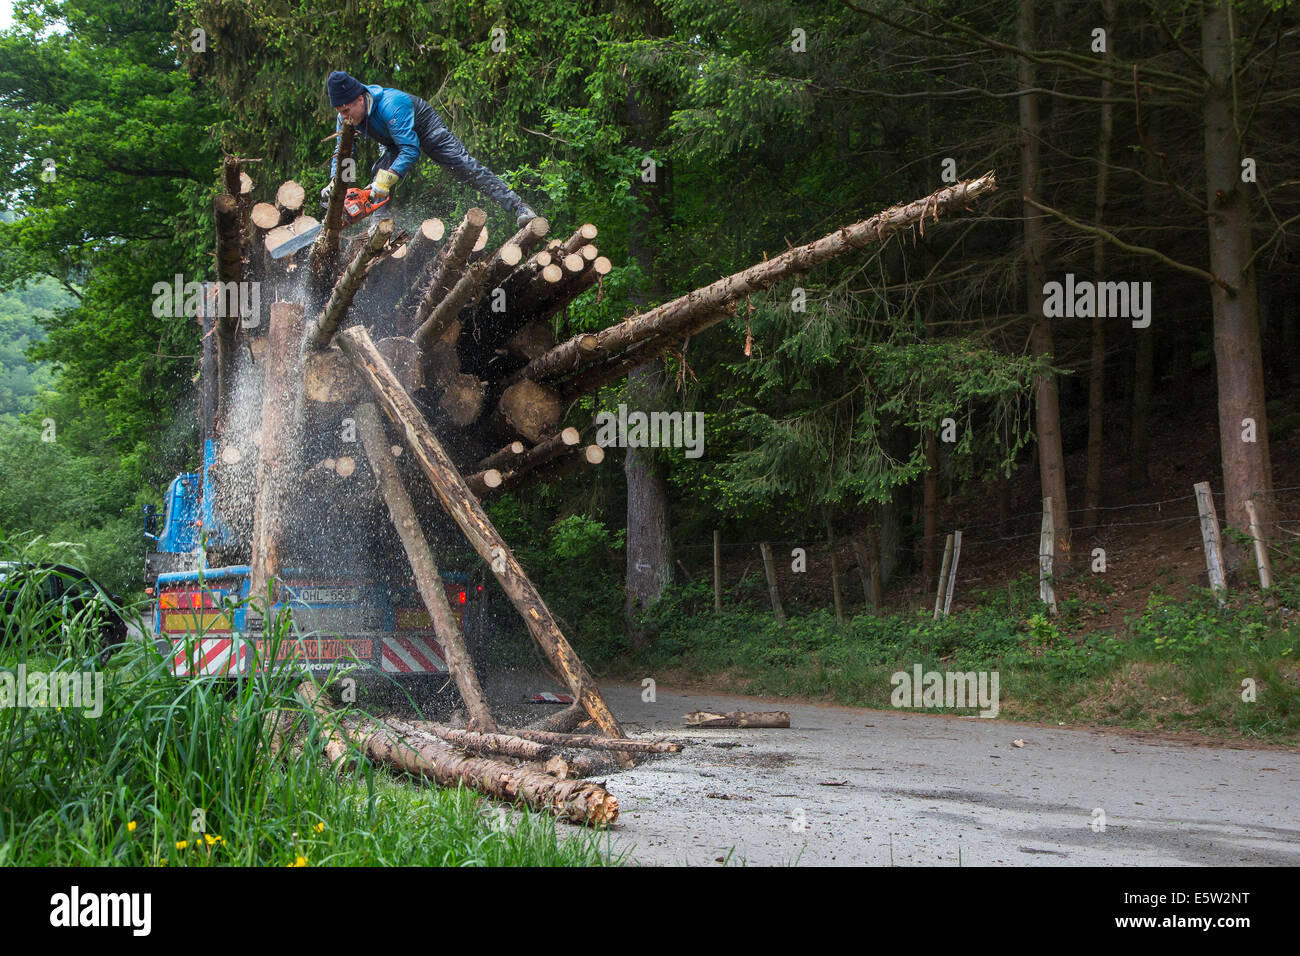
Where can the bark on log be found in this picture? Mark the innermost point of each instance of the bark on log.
(561, 722)
(447, 269)
(336, 743)
(423, 567)
(280, 385)
(570, 464)
(738, 718)
(505, 458)
(531, 234)
(611, 369)
(592, 742)
(679, 312)
(529, 410)
(404, 359)
(466, 291)
(577, 801)
(345, 289)
(570, 289)
(460, 503)
(324, 251)
(540, 454)
(503, 743)
(584, 234)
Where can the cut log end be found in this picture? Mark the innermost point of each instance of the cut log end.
(433, 229)
(290, 196)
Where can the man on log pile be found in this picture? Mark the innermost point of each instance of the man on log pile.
(405, 125)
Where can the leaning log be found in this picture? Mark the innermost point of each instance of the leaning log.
(466, 291)
(326, 247)
(446, 271)
(423, 567)
(345, 289)
(679, 312)
(464, 508)
(540, 454)
(738, 718)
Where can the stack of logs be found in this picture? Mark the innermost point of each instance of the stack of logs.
(454, 342)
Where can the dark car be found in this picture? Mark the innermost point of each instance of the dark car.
(71, 590)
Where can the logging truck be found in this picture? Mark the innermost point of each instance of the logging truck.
(342, 612)
(204, 620)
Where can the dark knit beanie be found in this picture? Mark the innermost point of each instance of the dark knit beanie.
(342, 88)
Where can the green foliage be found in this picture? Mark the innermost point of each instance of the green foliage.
(181, 773)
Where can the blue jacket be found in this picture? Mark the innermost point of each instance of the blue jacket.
(390, 121)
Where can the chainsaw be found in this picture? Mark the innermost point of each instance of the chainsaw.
(357, 205)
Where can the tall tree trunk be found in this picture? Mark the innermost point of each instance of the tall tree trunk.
(1051, 457)
(1247, 470)
(1097, 370)
(649, 544)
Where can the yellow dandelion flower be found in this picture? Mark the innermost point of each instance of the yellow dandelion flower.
(182, 844)
(300, 861)
(210, 839)
(319, 828)
(130, 826)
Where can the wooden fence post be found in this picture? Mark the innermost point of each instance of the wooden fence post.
(769, 568)
(1210, 538)
(943, 578)
(717, 572)
(1261, 549)
(1046, 552)
(952, 572)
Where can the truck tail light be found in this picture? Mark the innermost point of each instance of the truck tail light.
(460, 597)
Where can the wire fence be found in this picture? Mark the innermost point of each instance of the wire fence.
(1108, 543)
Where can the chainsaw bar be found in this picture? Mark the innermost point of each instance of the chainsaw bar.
(296, 243)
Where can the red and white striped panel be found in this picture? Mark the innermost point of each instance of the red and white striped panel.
(413, 654)
(209, 657)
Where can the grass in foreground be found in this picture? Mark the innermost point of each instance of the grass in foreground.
(179, 772)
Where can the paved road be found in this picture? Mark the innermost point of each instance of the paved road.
(930, 790)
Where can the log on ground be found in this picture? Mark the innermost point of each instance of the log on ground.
(738, 718)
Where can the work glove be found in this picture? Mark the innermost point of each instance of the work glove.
(326, 193)
(385, 180)
(525, 216)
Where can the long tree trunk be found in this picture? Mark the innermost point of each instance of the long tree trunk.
(1097, 364)
(649, 544)
(423, 567)
(459, 502)
(1247, 470)
(1051, 457)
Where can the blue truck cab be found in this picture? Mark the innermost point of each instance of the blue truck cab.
(209, 626)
